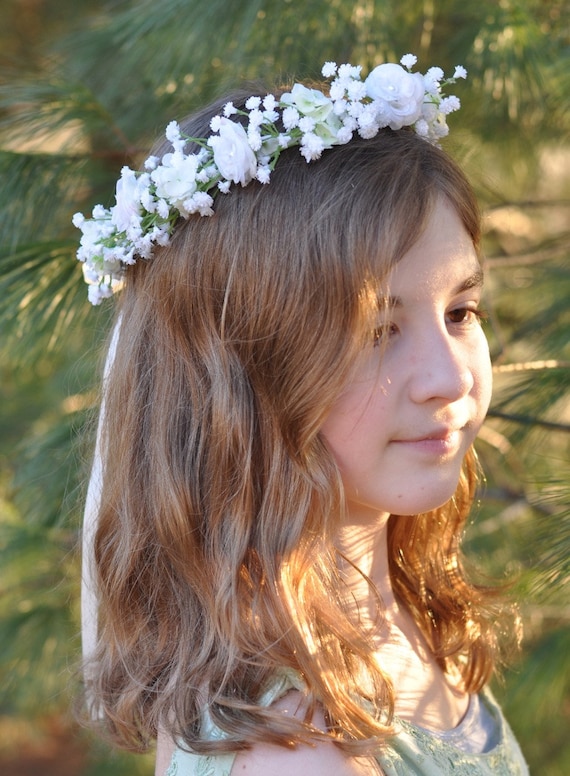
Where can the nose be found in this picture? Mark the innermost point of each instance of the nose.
(441, 368)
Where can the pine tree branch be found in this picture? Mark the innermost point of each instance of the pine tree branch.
(526, 420)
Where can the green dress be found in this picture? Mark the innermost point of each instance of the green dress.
(410, 751)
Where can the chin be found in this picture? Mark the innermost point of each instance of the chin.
(426, 500)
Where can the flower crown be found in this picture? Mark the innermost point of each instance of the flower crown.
(150, 202)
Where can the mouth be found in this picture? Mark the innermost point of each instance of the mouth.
(441, 442)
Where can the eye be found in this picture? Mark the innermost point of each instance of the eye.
(466, 315)
(384, 333)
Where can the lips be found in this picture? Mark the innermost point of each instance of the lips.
(441, 433)
(443, 441)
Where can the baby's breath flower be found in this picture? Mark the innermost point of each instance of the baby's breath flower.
(263, 174)
(449, 104)
(256, 118)
(356, 90)
(254, 139)
(312, 146)
(149, 202)
(290, 118)
(269, 102)
(252, 103)
(329, 69)
(349, 71)
(421, 127)
(337, 91)
(408, 61)
(151, 162)
(307, 124)
(215, 123)
(344, 135)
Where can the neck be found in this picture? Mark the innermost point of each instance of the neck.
(424, 694)
(364, 547)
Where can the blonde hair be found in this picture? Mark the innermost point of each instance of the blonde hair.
(220, 503)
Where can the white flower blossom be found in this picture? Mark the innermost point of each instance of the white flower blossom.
(355, 109)
(435, 73)
(161, 237)
(307, 124)
(460, 72)
(151, 162)
(263, 174)
(312, 146)
(175, 179)
(356, 90)
(100, 212)
(252, 103)
(449, 104)
(96, 294)
(256, 118)
(254, 140)
(200, 203)
(408, 61)
(290, 118)
(162, 208)
(174, 136)
(337, 91)
(350, 123)
(401, 93)
(432, 78)
(349, 71)
(127, 195)
(344, 135)
(308, 102)
(329, 69)
(229, 109)
(269, 102)
(233, 155)
(368, 130)
(421, 127)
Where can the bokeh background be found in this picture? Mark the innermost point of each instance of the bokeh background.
(86, 87)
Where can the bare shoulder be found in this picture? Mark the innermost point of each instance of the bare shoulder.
(322, 759)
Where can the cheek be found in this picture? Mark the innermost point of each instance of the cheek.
(348, 425)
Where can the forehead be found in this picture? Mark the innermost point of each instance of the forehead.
(443, 257)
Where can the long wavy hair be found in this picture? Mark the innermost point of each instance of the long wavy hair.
(215, 547)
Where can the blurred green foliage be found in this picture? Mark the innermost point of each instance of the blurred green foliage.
(85, 88)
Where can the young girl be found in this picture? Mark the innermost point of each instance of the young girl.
(285, 463)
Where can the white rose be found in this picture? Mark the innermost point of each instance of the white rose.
(233, 155)
(175, 178)
(127, 196)
(401, 94)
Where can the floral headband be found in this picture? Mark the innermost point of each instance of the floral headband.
(150, 202)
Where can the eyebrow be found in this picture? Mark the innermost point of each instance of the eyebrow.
(474, 280)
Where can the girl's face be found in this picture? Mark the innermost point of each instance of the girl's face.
(402, 426)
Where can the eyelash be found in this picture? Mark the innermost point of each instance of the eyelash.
(468, 314)
(380, 332)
